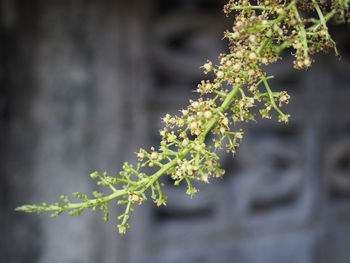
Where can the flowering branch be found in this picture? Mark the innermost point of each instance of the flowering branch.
(260, 33)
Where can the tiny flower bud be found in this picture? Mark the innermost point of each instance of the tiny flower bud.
(225, 121)
(216, 85)
(154, 156)
(298, 45)
(220, 74)
(280, 11)
(162, 133)
(180, 122)
(307, 62)
(208, 114)
(208, 86)
(207, 66)
(300, 64)
(264, 60)
(195, 104)
(198, 147)
(228, 63)
(141, 155)
(239, 24)
(239, 54)
(172, 137)
(236, 67)
(252, 38)
(193, 125)
(252, 56)
(235, 35)
(185, 142)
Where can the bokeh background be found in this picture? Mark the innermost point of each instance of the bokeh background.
(83, 84)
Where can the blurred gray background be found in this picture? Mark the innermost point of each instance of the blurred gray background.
(83, 84)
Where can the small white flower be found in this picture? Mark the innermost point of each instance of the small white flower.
(193, 125)
(237, 67)
(307, 62)
(252, 38)
(208, 86)
(185, 142)
(154, 155)
(225, 121)
(195, 104)
(239, 54)
(207, 66)
(208, 114)
(220, 74)
(252, 56)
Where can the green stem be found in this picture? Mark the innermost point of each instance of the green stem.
(327, 17)
(319, 13)
(255, 7)
(302, 30)
(224, 106)
(126, 214)
(272, 100)
(153, 178)
(109, 184)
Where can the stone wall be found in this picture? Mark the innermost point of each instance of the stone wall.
(83, 85)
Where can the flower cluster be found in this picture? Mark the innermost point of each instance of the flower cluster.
(260, 32)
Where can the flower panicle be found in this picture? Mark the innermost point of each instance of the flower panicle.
(261, 30)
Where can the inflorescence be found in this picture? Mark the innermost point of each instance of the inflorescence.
(259, 34)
